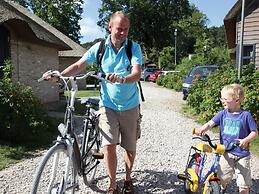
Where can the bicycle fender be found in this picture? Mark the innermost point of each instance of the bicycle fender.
(194, 178)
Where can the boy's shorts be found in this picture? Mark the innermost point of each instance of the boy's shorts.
(230, 165)
(120, 127)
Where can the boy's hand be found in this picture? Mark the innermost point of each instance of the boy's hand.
(198, 132)
(243, 143)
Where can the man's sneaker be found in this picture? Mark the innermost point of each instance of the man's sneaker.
(113, 191)
(127, 187)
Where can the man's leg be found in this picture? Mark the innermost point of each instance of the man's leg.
(110, 158)
(129, 158)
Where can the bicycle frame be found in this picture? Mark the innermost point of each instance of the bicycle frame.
(66, 158)
(213, 167)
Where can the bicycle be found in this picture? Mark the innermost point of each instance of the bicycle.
(67, 158)
(193, 176)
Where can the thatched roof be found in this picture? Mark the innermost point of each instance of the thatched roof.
(29, 26)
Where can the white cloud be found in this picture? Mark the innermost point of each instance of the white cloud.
(89, 30)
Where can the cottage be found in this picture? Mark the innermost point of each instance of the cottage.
(232, 23)
(34, 47)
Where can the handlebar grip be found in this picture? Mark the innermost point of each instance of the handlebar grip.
(193, 131)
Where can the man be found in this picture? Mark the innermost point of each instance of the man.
(119, 103)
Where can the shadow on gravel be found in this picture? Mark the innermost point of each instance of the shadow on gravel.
(149, 181)
(164, 182)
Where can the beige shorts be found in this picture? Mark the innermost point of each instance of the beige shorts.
(230, 165)
(120, 127)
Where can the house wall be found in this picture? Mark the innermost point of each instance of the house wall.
(251, 31)
(31, 61)
(64, 62)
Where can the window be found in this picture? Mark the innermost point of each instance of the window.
(248, 54)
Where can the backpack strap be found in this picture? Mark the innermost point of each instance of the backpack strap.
(100, 53)
(128, 48)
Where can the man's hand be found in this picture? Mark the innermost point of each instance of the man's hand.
(48, 76)
(114, 78)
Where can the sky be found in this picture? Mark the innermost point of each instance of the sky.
(215, 10)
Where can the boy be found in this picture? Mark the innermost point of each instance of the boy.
(235, 125)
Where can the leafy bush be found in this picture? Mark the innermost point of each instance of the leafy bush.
(23, 119)
(171, 81)
(204, 95)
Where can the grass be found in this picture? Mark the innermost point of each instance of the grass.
(11, 153)
(190, 113)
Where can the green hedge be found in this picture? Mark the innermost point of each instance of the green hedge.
(23, 120)
(204, 95)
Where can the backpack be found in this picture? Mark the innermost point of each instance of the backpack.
(101, 51)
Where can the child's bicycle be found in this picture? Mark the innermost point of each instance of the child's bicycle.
(193, 176)
(67, 158)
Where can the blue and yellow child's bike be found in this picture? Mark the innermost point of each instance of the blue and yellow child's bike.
(194, 178)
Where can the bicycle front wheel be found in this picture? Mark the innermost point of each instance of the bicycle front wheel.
(213, 187)
(56, 173)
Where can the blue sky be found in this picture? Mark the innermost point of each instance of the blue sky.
(215, 10)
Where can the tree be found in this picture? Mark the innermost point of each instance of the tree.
(63, 15)
(153, 22)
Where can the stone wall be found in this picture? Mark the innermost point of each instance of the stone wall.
(31, 61)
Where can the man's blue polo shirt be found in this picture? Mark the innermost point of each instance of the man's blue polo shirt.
(119, 97)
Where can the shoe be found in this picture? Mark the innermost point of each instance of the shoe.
(127, 187)
(113, 191)
(223, 191)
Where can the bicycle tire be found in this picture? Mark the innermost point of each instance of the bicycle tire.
(213, 187)
(193, 165)
(91, 146)
(41, 180)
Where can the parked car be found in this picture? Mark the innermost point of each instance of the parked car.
(147, 72)
(202, 71)
(154, 76)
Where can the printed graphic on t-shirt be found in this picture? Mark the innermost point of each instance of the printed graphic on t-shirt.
(231, 127)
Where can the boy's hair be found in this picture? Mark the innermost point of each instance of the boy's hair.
(235, 90)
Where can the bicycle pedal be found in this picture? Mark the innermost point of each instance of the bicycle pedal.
(98, 155)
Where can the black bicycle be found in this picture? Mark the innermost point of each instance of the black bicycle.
(72, 154)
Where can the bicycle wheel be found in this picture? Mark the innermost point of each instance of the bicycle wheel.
(91, 147)
(194, 165)
(213, 187)
(57, 172)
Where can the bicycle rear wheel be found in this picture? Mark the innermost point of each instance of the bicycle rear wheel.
(91, 146)
(57, 172)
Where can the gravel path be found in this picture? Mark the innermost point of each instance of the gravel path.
(161, 154)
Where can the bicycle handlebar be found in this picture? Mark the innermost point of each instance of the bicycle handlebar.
(205, 137)
(57, 74)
